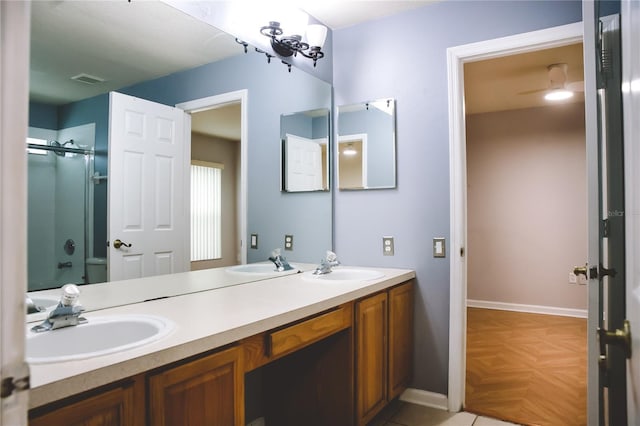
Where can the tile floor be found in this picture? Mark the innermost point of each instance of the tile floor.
(399, 413)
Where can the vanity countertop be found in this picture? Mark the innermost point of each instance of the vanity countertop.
(204, 320)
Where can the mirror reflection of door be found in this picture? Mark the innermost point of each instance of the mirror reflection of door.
(146, 188)
(305, 142)
(304, 165)
(352, 162)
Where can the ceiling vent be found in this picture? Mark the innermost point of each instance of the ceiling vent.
(87, 79)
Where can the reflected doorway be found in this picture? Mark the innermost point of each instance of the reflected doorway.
(218, 129)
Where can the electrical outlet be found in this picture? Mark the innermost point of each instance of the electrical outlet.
(387, 246)
(254, 241)
(288, 242)
(582, 280)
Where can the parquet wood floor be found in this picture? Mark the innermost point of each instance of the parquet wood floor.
(527, 368)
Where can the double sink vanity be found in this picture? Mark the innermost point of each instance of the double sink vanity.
(294, 348)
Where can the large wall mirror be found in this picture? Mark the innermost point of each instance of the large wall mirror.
(69, 113)
(305, 148)
(366, 145)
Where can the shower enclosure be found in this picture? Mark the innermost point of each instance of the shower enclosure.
(59, 204)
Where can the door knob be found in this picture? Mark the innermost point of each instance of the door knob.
(117, 244)
(581, 270)
(621, 338)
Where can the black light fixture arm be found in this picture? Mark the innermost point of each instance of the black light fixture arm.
(290, 45)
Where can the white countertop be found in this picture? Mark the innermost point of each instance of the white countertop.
(204, 320)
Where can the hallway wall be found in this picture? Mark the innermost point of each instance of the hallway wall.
(526, 211)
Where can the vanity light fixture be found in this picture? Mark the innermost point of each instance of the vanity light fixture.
(291, 45)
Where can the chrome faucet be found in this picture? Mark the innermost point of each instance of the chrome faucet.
(280, 261)
(66, 314)
(32, 308)
(329, 261)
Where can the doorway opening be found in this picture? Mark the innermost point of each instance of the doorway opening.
(218, 137)
(457, 58)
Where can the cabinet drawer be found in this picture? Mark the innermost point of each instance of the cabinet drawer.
(308, 331)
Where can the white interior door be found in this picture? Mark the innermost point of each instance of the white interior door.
(303, 165)
(147, 171)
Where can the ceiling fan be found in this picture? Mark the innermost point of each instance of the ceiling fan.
(559, 88)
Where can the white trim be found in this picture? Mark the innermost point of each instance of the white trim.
(531, 309)
(14, 95)
(241, 96)
(456, 57)
(425, 398)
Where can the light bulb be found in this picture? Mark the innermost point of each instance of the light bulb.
(558, 95)
(316, 35)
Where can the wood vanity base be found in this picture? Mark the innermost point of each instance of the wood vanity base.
(338, 367)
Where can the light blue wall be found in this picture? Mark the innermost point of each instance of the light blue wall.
(404, 57)
(296, 124)
(272, 90)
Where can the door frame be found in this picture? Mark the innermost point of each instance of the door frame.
(15, 21)
(456, 58)
(212, 102)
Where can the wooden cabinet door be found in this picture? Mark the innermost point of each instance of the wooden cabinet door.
(400, 338)
(208, 391)
(371, 357)
(110, 408)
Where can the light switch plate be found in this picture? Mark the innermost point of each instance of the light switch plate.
(288, 242)
(439, 248)
(387, 246)
(254, 241)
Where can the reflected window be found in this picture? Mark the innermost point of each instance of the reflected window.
(206, 210)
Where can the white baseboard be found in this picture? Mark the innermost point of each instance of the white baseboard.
(533, 309)
(428, 399)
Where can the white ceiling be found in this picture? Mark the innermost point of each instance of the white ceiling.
(338, 14)
(125, 43)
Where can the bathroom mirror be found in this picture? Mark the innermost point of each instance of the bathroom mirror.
(366, 146)
(305, 147)
(268, 214)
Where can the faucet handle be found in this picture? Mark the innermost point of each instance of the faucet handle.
(70, 295)
(331, 256)
(275, 252)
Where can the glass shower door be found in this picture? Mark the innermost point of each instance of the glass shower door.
(57, 205)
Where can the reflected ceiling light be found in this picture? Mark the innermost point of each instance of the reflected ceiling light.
(558, 95)
(291, 45)
(349, 150)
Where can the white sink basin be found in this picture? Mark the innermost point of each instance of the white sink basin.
(344, 275)
(98, 336)
(268, 269)
(46, 302)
